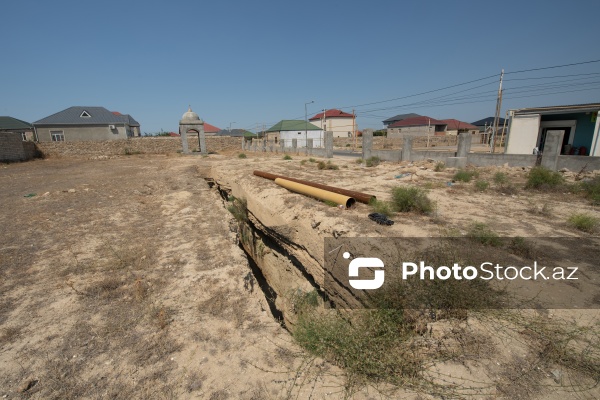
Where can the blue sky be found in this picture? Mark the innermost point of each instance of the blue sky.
(252, 63)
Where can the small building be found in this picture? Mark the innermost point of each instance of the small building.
(579, 123)
(10, 124)
(416, 126)
(454, 127)
(398, 118)
(86, 123)
(342, 124)
(286, 130)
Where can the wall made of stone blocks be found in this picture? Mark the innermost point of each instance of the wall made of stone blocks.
(385, 143)
(12, 147)
(140, 145)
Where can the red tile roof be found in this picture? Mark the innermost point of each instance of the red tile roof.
(116, 113)
(417, 121)
(333, 113)
(208, 128)
(454, 124)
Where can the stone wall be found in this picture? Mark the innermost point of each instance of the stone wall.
(13, 148)
(138, 145)
(385, 143)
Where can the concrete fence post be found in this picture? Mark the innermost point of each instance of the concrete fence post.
(367, 143)
(282, 145)
(264, 146)
(329, 144)
(407, 148)
(254, 145)
(294, 145)
(270, 146)
(309, 146)
(552, 148)
(202, 135)
(243, 144)
(464, 144)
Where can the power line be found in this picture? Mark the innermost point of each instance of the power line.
(550, 77)
(418, 94)
(555, 66)
(446, 99)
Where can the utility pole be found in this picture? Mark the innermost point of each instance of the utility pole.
(504, 130)
(323, 123)
(354, 128)
(497, 115)
(306, 123)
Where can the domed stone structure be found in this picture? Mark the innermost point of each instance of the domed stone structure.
(191, 123)
(190, 115)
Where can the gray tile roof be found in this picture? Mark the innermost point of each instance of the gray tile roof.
(98, 116)
(13, 123)
(233, 132)
(400, 117)
(488, 121)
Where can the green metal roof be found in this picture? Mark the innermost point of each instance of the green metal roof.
(13, 123)
(293, 125)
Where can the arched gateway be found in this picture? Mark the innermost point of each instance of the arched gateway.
(191, 123)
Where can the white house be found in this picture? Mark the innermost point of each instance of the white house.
(340, 123)
(580, 124)
(286, 130)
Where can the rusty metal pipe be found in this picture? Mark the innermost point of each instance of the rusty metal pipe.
(359, 196)
(316, 192)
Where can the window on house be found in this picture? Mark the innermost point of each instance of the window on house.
(57, 136)
(23, 136)
(85, 114)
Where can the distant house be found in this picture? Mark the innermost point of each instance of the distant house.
(398, 118)
(528, 128)
(86, 123)
(342, 124)
(454, 127)
(210, 129)
(286, 130)
(417, 126)
(10, 124)
(487, 124)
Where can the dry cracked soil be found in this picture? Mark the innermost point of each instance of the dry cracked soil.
(124, 278)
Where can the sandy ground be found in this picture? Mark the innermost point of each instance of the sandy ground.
(123, 278)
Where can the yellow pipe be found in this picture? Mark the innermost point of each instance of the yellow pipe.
(315, 192)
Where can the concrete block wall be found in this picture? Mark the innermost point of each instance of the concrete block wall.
(13, 148)
(141, 145)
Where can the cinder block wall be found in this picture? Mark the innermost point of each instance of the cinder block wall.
(11, 147)
(141, 145)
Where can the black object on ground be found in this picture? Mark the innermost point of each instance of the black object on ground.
(381, 219)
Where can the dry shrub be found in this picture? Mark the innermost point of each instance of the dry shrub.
(140, 290)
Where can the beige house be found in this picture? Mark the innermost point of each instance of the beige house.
(86, 123)
(340, 123)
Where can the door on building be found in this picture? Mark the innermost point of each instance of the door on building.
(565, 148)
